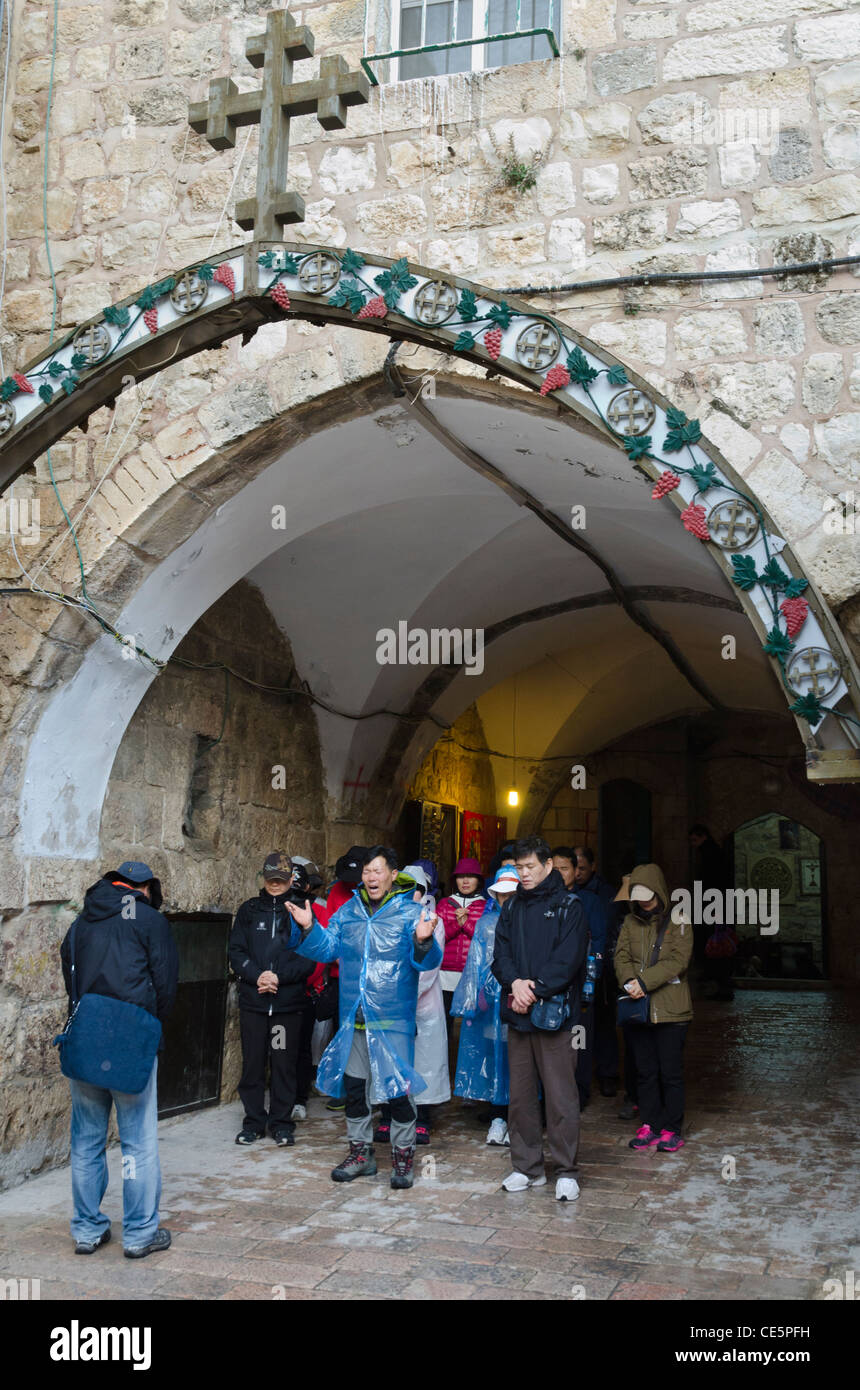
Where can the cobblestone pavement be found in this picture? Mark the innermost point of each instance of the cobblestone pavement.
(773, 1085)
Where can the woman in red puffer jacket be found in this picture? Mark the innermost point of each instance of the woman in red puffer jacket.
(460, 913)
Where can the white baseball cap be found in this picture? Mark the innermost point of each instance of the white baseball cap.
(641, 893)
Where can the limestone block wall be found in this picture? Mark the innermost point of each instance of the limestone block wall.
(454, 774)
(202, 813)
(726, 775)
(191, 788)
(656, 759)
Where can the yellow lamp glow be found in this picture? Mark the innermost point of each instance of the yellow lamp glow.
(513, 797)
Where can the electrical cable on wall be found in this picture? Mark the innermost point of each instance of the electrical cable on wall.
(669, 277)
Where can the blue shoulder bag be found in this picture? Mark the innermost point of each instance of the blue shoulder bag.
(550, 1014)
(107, 1042)
(639, 1010)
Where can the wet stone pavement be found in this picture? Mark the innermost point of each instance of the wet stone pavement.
(773, 1096)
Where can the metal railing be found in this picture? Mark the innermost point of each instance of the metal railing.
(546, 31)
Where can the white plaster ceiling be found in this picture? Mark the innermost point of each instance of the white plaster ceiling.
(448, 549)
(384, 524)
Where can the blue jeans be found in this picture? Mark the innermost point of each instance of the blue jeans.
(137, 1119)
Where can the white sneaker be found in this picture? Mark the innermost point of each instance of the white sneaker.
(299, 1113)
(518, 1182)
(498, 1132)
(566, 1190)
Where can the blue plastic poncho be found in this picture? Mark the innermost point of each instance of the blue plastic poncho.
(379, 969)
(482, 1059)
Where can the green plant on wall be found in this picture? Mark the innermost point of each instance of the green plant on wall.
(516, 172)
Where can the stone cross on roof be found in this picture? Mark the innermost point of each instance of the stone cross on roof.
(271, 106)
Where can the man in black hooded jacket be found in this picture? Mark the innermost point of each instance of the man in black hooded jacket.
(123, 948)
(272, 1004)
(540, 951)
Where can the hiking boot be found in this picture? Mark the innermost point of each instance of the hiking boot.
(422, 1134)
(401, 1167)
(629, 1109)
(86, 1247)
(646, 1138)
(670, 1142)
(382, 1133)
(160, 1241)
(359, 1163)
(248, 1136)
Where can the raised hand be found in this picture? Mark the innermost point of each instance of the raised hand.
(425, 925)
(302, 915)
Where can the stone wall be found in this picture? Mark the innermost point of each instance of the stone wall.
(456, 775)
(726, 773)
(190, 794)
(656, 759)
(191, 788)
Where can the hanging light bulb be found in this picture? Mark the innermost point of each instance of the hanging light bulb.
(513, 794)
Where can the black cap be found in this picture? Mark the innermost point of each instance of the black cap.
(348, 868)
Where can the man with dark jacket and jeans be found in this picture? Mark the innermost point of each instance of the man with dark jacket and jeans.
(540, 951)
(272, 1004)
(123, 948)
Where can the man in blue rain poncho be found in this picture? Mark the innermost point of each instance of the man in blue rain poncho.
(382, 939)
(482, 1059)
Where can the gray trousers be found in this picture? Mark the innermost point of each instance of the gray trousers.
(359, 1117)
(547, 1059)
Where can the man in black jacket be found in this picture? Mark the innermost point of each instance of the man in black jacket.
(540, 951)
(272, 1002)
(123, 948)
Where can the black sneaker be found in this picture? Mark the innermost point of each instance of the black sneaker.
(629, 1109)
(248, 1136)
(283, 1136)
(160, 1241)
(86, 1247)
(335, 1104)
(608, 1085)
(401, 1167)
(359, 1163)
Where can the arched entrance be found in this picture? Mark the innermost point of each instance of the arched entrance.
(776, 852)
(647, 438)
(349, 515)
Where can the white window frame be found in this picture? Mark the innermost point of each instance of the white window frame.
(477, 51)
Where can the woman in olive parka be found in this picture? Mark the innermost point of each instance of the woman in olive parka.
(652, 957)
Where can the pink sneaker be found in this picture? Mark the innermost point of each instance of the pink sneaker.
(646, 1138)
(670, 1142)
